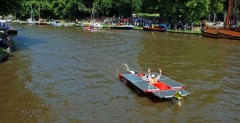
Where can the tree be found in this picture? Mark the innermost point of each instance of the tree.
(40, 8)
(196, 9)
(136, 5)
(150, 6)
(71, 9)
(9, 6)
(216, 6)
(103, 7)
(125, 8)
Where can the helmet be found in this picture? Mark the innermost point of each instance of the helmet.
(152, 75)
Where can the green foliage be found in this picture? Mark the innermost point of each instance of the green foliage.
(103, 7)
(147, 15)
(39, 7)
(9, 6)
(136, 5)
(71, 9)
(150, 6)
(196, 9)
(216, 6)
(123, 7)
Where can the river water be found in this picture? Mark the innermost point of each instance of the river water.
(66, 74)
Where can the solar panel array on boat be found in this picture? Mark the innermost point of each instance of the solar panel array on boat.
(138, 82)
(132, 77)
(144, 85)
(170, 82)
(169, 93)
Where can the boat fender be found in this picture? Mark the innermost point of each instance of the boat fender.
(178, 95)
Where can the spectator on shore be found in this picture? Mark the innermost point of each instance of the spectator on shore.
(203, 23)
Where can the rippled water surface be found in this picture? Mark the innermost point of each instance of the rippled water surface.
(66, 74)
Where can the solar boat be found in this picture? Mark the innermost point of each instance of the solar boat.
(164, 88)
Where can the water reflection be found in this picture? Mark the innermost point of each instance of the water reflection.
(69, 75)
(17, 102)
(205, 66)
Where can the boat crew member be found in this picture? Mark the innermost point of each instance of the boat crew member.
(152, 78)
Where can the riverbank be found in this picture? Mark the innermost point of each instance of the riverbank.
(196, 30)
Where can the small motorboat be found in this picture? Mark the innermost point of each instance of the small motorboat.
(159, 28)
(164, 88)
(56, 23)
(96, 25)
(41, 23)
(124, 27)
(30, 21)
(12, 31)
(90, 29)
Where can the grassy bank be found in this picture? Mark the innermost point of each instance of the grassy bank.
(195, 31)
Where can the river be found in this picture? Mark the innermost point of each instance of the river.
(66, 74)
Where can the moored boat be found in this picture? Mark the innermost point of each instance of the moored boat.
(222, 32)
(30, 21)
(212, 33)
(124, 27)
(41, 23)
(2, 21)
(55, 23)
(12, 31)
(79, 24)
(96, 25)
(154, 29)
(160, 28)
(230, 34)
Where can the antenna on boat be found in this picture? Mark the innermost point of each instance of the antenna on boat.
(148, 75)
(117, 71)
(127, 68)
(160, 74)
